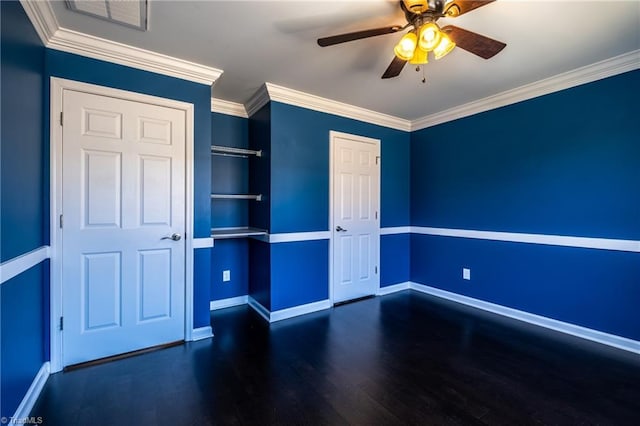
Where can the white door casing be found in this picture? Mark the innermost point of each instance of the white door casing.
(121, 178)
(354, 216)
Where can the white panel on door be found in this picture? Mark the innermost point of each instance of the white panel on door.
(154, 285)
(364, 256)
(105, 124)
(102, 189)
(346, 156)
(346, 188)
(365, 158)
(345, 262)
(364, 196)
(154, 131)
(101, 287)
(155, 190)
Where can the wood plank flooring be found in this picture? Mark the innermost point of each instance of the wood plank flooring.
(406, 358)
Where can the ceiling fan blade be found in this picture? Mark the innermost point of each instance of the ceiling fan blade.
(357, 35)
(475, 43)
(460, 7)
(394, 68)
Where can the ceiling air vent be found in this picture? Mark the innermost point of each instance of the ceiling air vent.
(132, 14)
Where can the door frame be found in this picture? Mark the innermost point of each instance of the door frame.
(58, 85)
(333, 134)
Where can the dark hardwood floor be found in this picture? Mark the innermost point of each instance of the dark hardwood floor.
(405, 358)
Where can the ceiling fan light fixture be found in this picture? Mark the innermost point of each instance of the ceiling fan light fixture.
(445, 46)
(416, 6)
(406, 47)
(419, 57)
(429, 36)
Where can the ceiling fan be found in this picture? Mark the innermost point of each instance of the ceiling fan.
(425, 35)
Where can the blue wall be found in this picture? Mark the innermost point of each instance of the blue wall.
(567, 163)
(24, 338)
(74, 67)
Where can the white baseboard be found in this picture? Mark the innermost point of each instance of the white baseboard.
(228, 303)
(563, 327)
(201, 333)
(393, 288)
(289, 312)
(300, 310)
(26, 405)
(257, 306)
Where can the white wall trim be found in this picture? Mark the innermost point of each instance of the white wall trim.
(317, 103)
(28, 401)
(553, 240)
(299, 236)
(300, 310)
(563, 327)
(389, 289)
(13, 267)
(261, 310)
(609, 67)
(44, 21)
(257, 101)
(395, 230)
(228, 303)
(206, 242)
(58, 85)
(229, 108)
(201, 333)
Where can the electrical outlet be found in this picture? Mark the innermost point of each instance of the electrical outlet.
(226, 276)
(466, 273)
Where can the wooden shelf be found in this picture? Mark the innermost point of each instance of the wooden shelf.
(224, 233)
(257, 197)
(234, 152)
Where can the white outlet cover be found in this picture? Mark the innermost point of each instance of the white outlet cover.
(466, 273)
(226, 275)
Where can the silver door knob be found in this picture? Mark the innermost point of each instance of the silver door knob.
(174, 237)
(340, 229)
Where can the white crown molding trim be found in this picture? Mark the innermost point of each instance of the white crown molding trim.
(229, 108)
(563, 327)
(199, 243)
(395, 230)
(110, 51)
(44, 21)
(257, 101)
(201, 333)
(552, 240)
(299, 236)
(42, 18)
(609, 67)
(316, 103)
(390, 289)
(28, 401)
(20, 264)
(228, 303)
(300, 310)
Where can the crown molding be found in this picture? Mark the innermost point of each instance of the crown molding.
(609, 67)
(43, 19)
(257, 101)
(229, 108)
(316, 103)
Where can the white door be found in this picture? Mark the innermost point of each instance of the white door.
(356, 224)
(123, 177)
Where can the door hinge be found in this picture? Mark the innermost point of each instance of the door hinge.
(376, 270)
(378, 159)
(61, 323)
(61, 113)
(376, 215)
(61, 221)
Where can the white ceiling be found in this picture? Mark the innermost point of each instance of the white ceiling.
(275, 41)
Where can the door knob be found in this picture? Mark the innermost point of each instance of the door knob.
(174, 237)
(340, 229)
